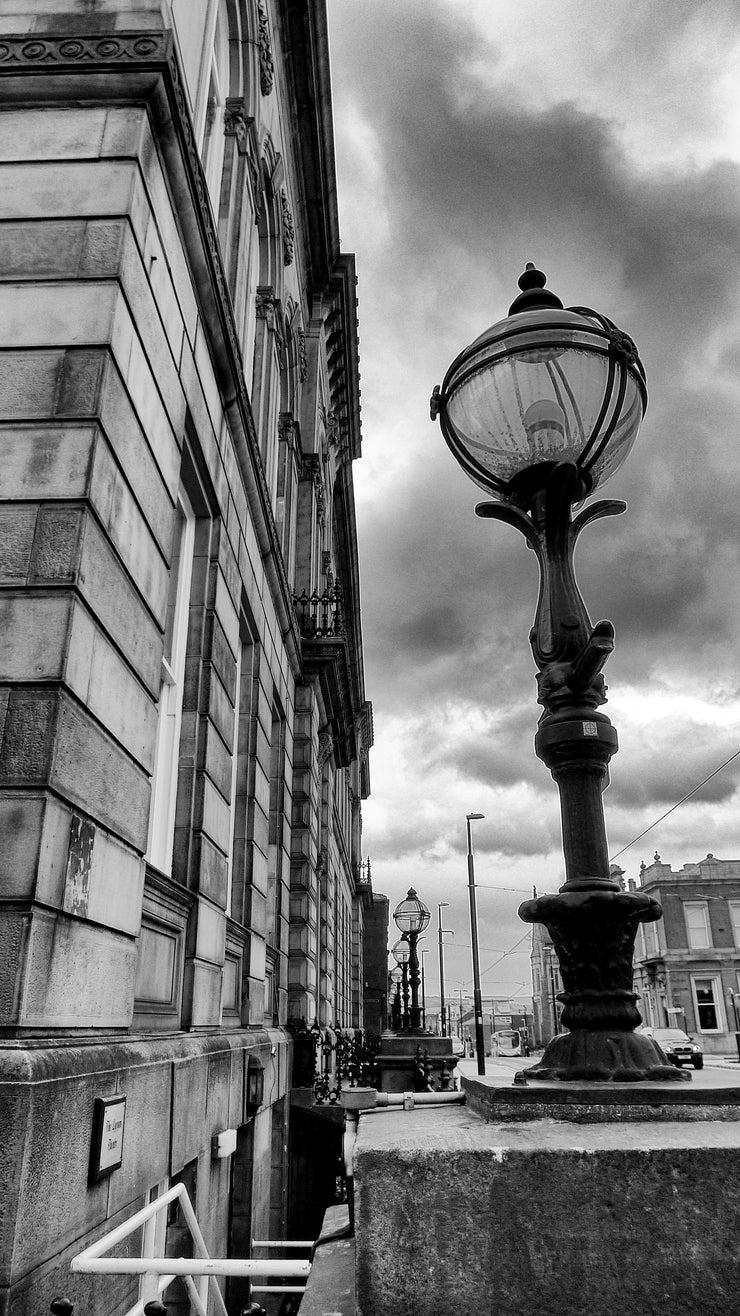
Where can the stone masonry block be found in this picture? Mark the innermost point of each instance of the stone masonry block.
(75, 975)
(459, 1216)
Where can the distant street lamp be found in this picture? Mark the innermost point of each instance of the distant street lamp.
(442, 932)
(401, 953)
(480, 1041)
(395, 976)
(411, 918)
(540, 410)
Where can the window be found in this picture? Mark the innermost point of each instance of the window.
(202, 33)
(734, 908)
(164, 776)
(707, 998)
(212, 150)
(242, 776)
(696, 914)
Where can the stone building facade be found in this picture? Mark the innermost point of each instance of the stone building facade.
(184, 732)
(687, 965)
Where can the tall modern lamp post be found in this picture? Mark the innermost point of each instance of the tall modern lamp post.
(422, 953)
(411, 917)
(442, 932)
(480, 1041)
(540, 410)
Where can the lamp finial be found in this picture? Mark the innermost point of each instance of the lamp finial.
(534, 294)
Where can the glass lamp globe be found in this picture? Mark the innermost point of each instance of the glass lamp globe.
(543, 386)
(401, 952)
(412, 914)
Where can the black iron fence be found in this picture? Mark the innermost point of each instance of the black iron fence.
(320, 616)
(342, 1059)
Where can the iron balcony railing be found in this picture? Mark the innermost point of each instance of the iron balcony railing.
(320, 616)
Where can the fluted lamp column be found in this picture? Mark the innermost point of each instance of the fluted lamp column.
(539, 411)
(401, 953)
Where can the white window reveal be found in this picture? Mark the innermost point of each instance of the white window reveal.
(696, 913)
(164, 777)
(707, 1003)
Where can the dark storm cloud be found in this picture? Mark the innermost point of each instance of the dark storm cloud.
(470, 179)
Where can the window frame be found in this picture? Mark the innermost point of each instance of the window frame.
(702, 905)
(717, 1003)
(165, 771)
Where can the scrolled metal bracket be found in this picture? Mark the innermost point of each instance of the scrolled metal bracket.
(568, 650)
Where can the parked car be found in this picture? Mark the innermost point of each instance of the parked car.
(677, 1045)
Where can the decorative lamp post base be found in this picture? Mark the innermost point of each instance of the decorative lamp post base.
(598, 1056)
(593, 931)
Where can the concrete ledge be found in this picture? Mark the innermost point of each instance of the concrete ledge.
(545, 1216)
(331, 1285)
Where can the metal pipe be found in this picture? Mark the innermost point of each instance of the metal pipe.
(417, 1099)
(191, 1266)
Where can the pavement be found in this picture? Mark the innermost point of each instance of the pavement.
(718, 1071)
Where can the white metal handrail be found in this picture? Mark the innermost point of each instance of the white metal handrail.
(158, 1269)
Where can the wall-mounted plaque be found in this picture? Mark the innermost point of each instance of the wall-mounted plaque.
(106, 1150)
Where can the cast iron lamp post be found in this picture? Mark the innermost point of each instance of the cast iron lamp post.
(539, 411)
(480, 1041)
(411, 918)
(395, 977)
(401, 953)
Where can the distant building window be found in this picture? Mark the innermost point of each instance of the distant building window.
(734, 907)
(696, 914)
(707, 1002)
(650, 939)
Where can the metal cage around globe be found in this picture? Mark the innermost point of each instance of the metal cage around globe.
(411, 915)
(544, 385)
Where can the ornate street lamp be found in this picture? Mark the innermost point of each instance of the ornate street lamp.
(401, 953)
(540, 411)
(395, 976)
(411, 917)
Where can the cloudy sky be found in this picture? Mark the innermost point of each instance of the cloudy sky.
(602, 142)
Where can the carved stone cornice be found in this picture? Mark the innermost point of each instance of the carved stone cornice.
(264, 44)
(288, 229)
(55, 52)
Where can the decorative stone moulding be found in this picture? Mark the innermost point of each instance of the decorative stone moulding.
(264, 41)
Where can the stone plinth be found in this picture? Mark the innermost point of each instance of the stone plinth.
(598, 1103)
(546, 1215)
(396, 1061)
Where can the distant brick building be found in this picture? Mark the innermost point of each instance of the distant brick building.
(688, 964)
